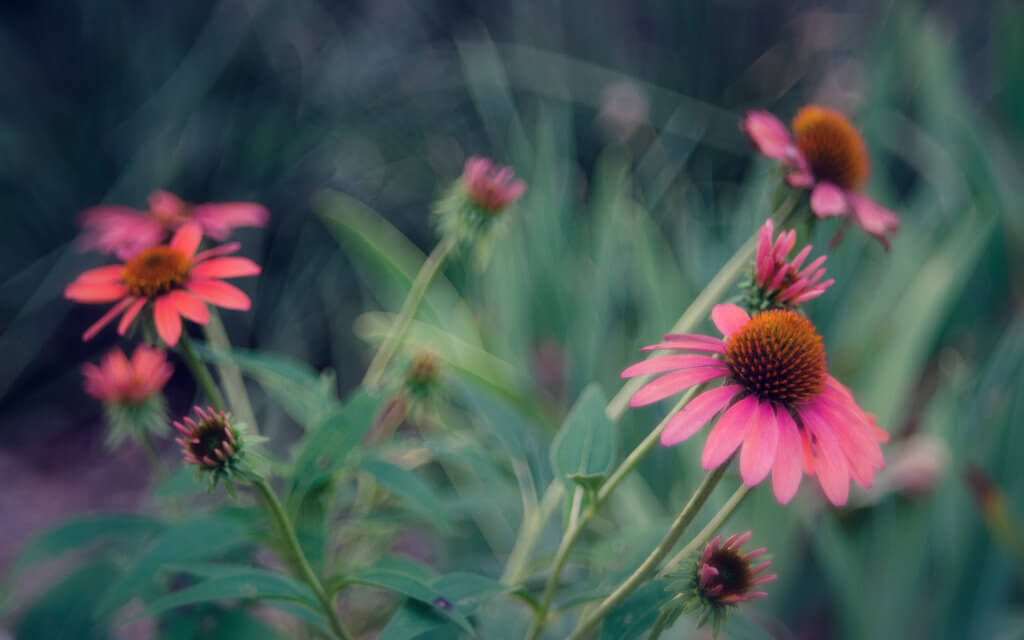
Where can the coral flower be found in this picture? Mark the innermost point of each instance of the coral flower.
(828, 156)
(178, 281)
(125, 232)
(778, 402)
(780, 282)
(491, 187)
(118, 380)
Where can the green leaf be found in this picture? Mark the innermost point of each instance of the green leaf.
(415, 494)
(466, 590)
(66, 610)
(303, 393)
(636, 614)
(591, 482)
(82, 531)
(240, 582)
(414, 619)
(191, 540)
(585, 445)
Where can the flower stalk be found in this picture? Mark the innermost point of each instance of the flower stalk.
(651, 563)
(201, 373)
(709, 529)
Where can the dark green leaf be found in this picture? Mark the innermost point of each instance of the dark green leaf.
(585, 445)
(240, 582)
(82, 531)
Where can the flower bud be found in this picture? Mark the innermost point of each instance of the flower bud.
(473, 203)
(211, 442)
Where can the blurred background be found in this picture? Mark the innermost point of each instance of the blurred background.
(622, 117)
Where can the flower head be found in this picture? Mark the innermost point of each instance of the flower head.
(173, 277)
(721, 578)
(211, 442)
(778, 282)
(124, 231)
(826, 154)
(471, 206)
(130, 390)
(778, 401)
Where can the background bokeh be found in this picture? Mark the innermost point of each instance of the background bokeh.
(623, 118)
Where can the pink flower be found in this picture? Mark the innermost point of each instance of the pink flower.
(725, 576)
(125, 232)
(118, 380)
(828, 156)
(174, 278)
(778, 401)
(491, 187)
(783, 282)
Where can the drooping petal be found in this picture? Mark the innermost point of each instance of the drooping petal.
(874, 218)
(786, 471)
(190, 306)
(95, 292)
(697, 413)
(168, 322)
(227, 267)
(768, 135)
(220, 294)
(829, 461)
(828, 200)
(129, 316)
(729, 432)
(673, 383)
(759, 446)
(187, 238)
(729, 318)
(669, 363)
(95, 327)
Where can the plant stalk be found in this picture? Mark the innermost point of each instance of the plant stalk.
(709, 530)
(201, 373)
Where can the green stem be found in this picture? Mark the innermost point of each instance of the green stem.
(650, 565)
(533, 524)
(417, 291)
(201, 373)
(150, 450)
(284, 525)
(229, 373)
(709, 530)
(573, 532)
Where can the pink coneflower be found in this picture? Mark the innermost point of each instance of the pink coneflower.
(211, 441)
(778, 402)
(178, 281)
(780, 282)
(124, 231)
(491, 187)
(827, 155)
(118, 380)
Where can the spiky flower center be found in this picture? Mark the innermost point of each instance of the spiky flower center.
(832, 146)
(778, 356)
(212, 442)
(155, 271)
(734, 577)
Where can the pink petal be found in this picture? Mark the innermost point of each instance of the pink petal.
(729, 318)
(730, 431)
(800, 179)
(95, 327)
(697, 413)
(187, 238)
(759, 446)
(110, 273)
(874, 218)
(129, 316)
(190, 306)
(222, 250)
(800, 257)
(828, 200)
(168, 322)
(672, 383)
(788, 458)
(829, 461)
(230, 267)
(768, 135)
(220, 294)
(764, 251)
(688, 345)
(166, 204)
(218, 218)
(93, 293)
(669, 363)
(675, 337)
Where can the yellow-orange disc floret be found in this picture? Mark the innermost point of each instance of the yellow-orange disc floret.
(778, 356)
(832, 146)
(156, 270)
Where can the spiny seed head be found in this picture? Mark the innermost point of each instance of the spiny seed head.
(210, 442)
(832, 146)
(778, 356)
(155, 271)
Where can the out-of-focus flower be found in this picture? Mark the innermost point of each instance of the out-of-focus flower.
(827, 155)
(778, 282)
(174, 278)
(778, 402)
(721, 578)
(918, 465)
(130, 390)
(423, 374)
(471, 206)
(624, 109)
(211, 442)
(125, 232)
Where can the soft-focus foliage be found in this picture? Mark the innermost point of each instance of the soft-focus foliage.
(347, 122)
